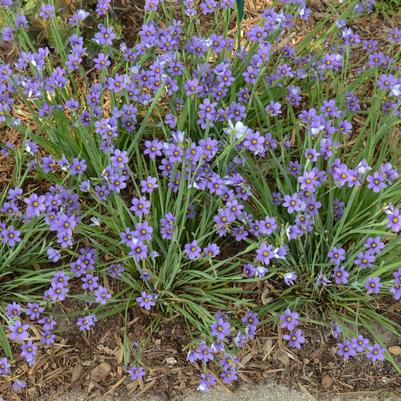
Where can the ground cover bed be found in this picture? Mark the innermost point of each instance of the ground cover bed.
(198, 194)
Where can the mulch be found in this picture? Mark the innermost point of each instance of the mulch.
(93, 364)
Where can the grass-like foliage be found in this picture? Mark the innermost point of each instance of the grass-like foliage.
(177, 173)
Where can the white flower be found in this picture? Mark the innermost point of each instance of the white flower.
(396, 90)
(261, 271)
(316, 130)
(95, 222)
(276, 254)
(290, 278)
(208, 42)
(135, 69)
(237, 131)
(82, 14)
(203, 388)
(389, 209)
(347, 32)
(28, 149)
(178, 136)
(363, 167)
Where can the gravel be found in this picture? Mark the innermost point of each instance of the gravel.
(266, 392)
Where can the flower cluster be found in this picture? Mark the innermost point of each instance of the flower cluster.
(289, 320)
(21, 322)
(350, 348)
(221, 352)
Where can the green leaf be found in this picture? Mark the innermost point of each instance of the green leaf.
(4, 343)
(240, 9)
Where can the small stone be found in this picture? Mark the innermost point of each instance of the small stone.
(327, 381)
(101, 371)
(395, 350)
(76, 372)
(171, 361)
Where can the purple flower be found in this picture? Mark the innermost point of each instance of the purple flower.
(360, 343)
(117, 183)
(346, 349)
(257, 34)
(143, 231)
(48, 323)
(56, 292)
(13, 310)
(394, 220)
(18, 385)
(89, 282)
(192, 87)
(46, 11)
(8, 34)
(336, 255)
(115, 270)
(273, 108)
(389, 173)
(204, 352)
(251, 319)
(102, 7)
(220, 329)
(139, 250)
(373, 285)
(149, 185)
(135, 373)
(335, 330)
(248, 270)
(376, 181)
(295, 338)
(211, 250)
(53, 254)
(229, 376)
(322, 279)
(21, 21)
(85, 323)
(29, 352)
(374, 245)
(228, 362)
(105, 36)
(19, 331)
(153, 148)
(365, 259)
(386, 81)
(193, 250)
(4, 366)
(293, 203)
(375, 353)
(146, 301)
(289, 320)
(36, 205)
(119, 159)
(33, 311)
(47, 338)
(396, 289)
(101, 61)
(264, 253)
(207, 381)
(78, 167)
(290, 278)
(340, 275)
(102, 295)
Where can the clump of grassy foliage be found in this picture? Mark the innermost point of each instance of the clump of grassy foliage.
(225, 142)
